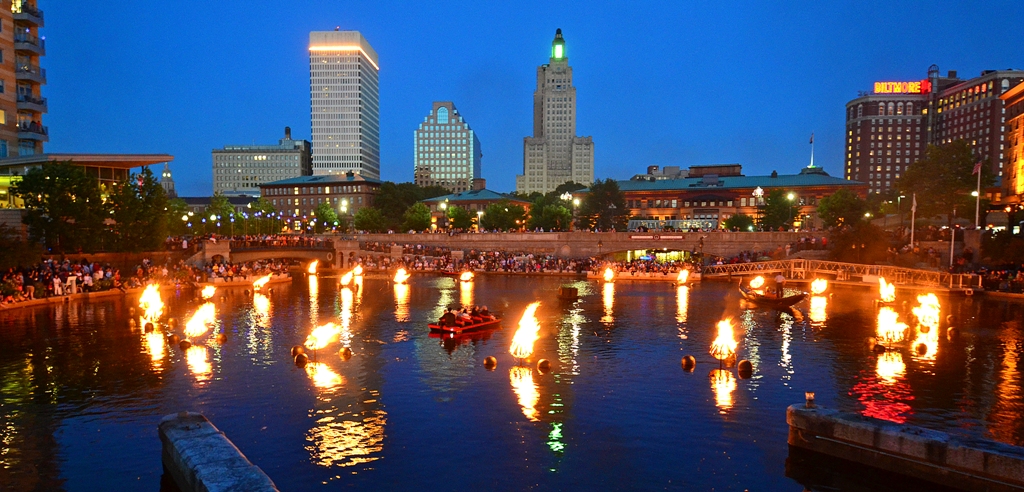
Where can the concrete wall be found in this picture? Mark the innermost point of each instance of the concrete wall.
(198, 457)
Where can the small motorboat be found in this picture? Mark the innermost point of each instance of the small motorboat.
(771, 301)
(459, 327)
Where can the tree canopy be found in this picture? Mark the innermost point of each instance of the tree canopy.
(604, 207)
(503, 215)
(138, 206)
(944, 179)
(778, 210)
(369, 219)
(460, 218)
(326, 217)
(843, 207)
(416, 218)
(64, 208)
(739, 222)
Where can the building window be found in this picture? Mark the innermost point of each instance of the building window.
(899, 109)
(860, 110)
(910, 108)
(892, 109)
(881, 109)
(442, 116)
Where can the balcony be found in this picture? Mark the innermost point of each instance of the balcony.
(29, 103)
(25, 42)
(28, 14)
(26, 71)
(33, 131)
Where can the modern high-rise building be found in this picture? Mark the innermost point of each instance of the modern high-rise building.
(554, 154)
(344, 103)
(446, 151)
(21, 102)
(241, 169)
(890, 128)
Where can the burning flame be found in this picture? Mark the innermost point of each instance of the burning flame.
(401, 276)
(358, 270)
(609, 275)
(817, 311)
(890, 367)
(890, 328)
(757, 282)
(684, 275)
(525, 390)
(886, 290)
(201, 321)
(312, 267)
(723, 383)
(151, 303)
(724, 346)
(466, 276)
(928, 312)
(323, 336)
(323, 376)
(529, 327)
(197, 358)
(347, 278)
(819, 286)
(260, 282)
(208, 291)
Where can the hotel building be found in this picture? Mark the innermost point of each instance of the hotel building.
(891, 127)
(241, 169)
(344, 104)
(1013, 171)
(554, 154)
(298, 198)
(446, 151)
(21, 80)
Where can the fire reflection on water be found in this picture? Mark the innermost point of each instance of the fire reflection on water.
(525, 390)
(198, 359)
(608, 295)
(401, 302)
(323, 376)
(1005, 413)
(890, 367)
(723, 383)
(346, 317)
(314, 299)
(466, 293)
(156, 345)
(682, 306)
(818, 312)
(347, 440)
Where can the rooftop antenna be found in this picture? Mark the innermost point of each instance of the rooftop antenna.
(812, 150)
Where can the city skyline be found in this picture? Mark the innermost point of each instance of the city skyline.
(744, 85)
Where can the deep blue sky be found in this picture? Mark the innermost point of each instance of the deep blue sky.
(667, 83)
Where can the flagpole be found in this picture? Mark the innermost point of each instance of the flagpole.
(913, 215)
(812, 150)
(977, 203)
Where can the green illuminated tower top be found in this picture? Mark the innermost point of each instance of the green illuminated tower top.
(558, 46)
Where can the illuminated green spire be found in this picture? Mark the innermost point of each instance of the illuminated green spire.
(558, 46)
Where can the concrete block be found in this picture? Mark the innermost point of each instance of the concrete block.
(200, 458)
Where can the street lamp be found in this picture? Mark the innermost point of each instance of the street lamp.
(479, 217)
(444, 211)
(790, 197)
(758, 194)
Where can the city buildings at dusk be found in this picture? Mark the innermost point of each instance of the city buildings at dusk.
(22, 104)
(241, 169)
(446, 151)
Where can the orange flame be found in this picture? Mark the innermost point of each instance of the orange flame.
(358, 270)
(312, 267)
(347, 278)
(208, 291)
(684, 275)
(928, 312)
(151, 303)
(466, 276)
(525, 390)
(890, 328)
(724, 346)
(527, 334)
(886, 290)
(757, 282)
(609, 275)
(201, 321)
(819, 286)
(401, 276)
(323, 336)
(260, 282)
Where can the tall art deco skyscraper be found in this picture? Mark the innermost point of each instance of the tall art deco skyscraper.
(344, 104)
(554, 154)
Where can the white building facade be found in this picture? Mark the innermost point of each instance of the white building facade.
(239, 170)
(344, 104)
(446, 150)
(554, 154)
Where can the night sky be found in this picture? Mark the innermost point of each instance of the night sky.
(666, 83)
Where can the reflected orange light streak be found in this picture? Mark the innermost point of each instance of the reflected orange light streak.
(682, 303)
(314, 299)
(526, 391)
(890, 367)
(818, 313)
(156, 345)
(323, 377)
(401, 302)
(608, 296)
(723, 383)
(197, 358)
(341, 443)
(526, 334)
(346, 317)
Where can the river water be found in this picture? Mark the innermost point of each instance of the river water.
(83, 390)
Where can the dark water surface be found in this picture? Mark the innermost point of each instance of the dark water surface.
(83, 391)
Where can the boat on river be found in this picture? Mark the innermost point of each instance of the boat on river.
(459, 327)
(771, 301)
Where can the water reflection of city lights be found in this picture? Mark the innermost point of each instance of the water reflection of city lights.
(323, 376)
(198, 359)
(339, 442)
(890, 328)
(608, 295)
(156, 345)
(723, 383)
(682, 307)
(890, 367)
(401, 302)
(466, 293)
(555, 438)
(817, 313)
(569, 340)
(1005, 415)
(525, 390)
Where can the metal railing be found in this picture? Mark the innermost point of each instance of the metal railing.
(29, 68)
(25, 98)
(801, 268)
(33, 128)
(272, 244)
(25, 8)
(29, 39)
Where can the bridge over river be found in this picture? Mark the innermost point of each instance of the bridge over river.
(334, 251)
(846, 272)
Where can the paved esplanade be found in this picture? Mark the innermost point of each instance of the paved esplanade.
(565, 244)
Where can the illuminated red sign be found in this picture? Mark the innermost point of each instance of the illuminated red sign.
(920, 87)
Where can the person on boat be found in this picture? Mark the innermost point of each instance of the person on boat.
(447, 319)
(474, 312)
(780, 284)
(484, 313)
(464, 316)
